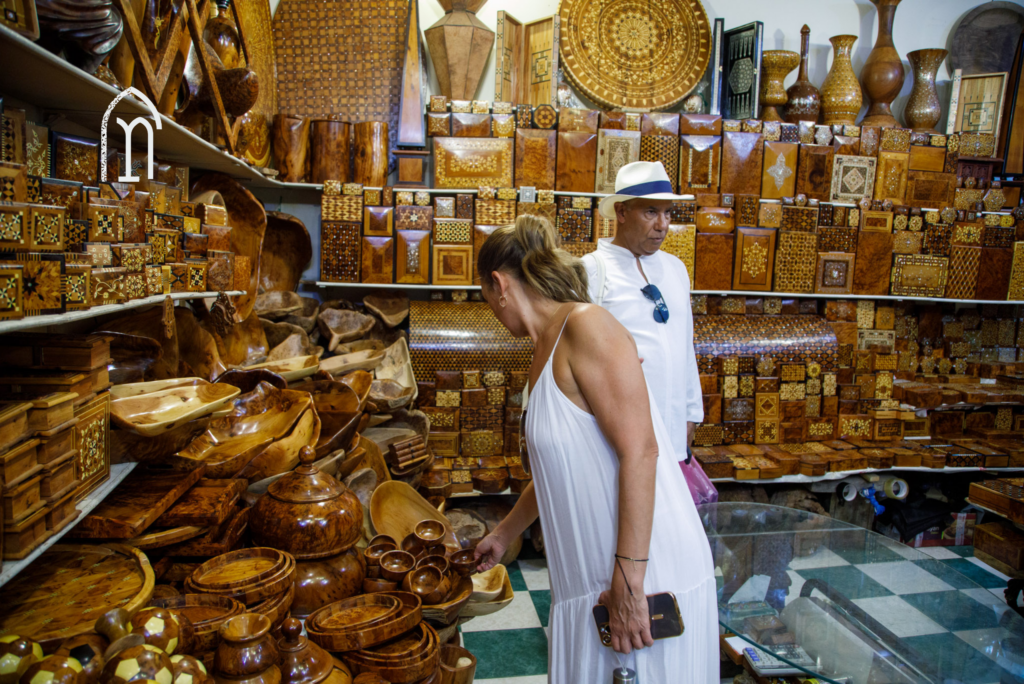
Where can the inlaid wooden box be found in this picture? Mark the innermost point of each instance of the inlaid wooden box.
(834, 273)
(179, 276)
(700, 160)
(219, 237)
(412, 257)
(663, 149)
(48, 228)
(196, 275)
(105, 223)
(929, 189)
(919, 275)
(715, 254)
(11, 305)
(42, 277)
(378, 221)
(872, 267)
(754, 259)
(92, 441)
(795, 262)
(576, 161)
(19, 462)
(220, 274)
(340, 251)
(473, 162)
(615, 149)
(742, 163)
(814, 172)
(378, 259)
(452, 265)
(778, 178)
(535, 158)
(891, 176)
(15, 233)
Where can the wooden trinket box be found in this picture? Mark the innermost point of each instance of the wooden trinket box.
(14, 227)
(473, 162)
(105, 223)
(42, 280)
(58, 477)
(51, 410)
(22, 499)
(61, 512)
(57, 442)
(742, 163)
(19, 463)
(378, 259)
(220, 273)
(11, 293)
(13, 424)
(108, 285)
(47, 225)
(21, 538)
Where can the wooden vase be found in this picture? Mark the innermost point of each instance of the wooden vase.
(840, 93)
(775, 65)
(804, 100)
(882, 75)
(291, 148)
(371, 153)
(330, 153)
(923, 109)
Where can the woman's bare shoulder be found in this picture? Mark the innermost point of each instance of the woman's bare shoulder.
(590, 324)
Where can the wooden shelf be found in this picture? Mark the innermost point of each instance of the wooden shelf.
(83, 314)
(118, 472)
(388, 286)
(814, 295)
(843, 474)
(41, 78)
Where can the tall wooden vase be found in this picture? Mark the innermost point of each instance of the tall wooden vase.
(882, 74)
(804, 100)
(459, 46)
(923, 108)
(775, 65)
(840, 93)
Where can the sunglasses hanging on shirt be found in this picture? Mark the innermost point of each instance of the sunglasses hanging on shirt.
(660, 308)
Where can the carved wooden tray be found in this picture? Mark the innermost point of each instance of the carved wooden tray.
(134, 389)
(158, 538)
(70, 586)
(396, 509)
(157, 412)
(291, 369)
(210, 502)
(339, 640)
(356, 613)
(622, 55)
(135, 504)
(248, 575)
(474, 609)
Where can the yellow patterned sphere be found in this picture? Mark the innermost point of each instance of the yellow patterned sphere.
(188, 670)
(17, 654)
(168, 630)
(54, 670)
(145, 662)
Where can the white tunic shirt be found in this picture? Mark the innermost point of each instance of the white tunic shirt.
(670, 364)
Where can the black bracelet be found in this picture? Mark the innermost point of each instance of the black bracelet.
(624, 578)
(635, 560)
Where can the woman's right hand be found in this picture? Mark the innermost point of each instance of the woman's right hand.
(490, 551)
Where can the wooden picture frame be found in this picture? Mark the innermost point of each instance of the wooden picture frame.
(976, 104)
(526, 60)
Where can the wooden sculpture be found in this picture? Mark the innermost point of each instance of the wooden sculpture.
(459, 45)
(882, 74)
(85, 31)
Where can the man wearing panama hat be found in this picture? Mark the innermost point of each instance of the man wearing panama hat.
(648, 291)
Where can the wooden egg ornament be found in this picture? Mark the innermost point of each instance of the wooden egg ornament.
(54, 670)
(17, 654)
(145, 662)
(168, 630)
(188, 670)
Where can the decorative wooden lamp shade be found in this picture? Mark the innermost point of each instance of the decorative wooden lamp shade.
(459, 45)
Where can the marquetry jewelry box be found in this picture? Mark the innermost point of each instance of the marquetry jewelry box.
(108, 285)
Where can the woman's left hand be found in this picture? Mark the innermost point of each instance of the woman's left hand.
(629, 622)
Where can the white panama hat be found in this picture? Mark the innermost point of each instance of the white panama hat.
(639, 179)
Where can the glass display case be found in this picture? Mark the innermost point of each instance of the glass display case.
(808, 593)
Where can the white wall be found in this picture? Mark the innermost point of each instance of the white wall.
(919, 24)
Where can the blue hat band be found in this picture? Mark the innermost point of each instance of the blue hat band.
(643, 189)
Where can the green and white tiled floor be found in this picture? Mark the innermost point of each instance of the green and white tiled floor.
(511, 646)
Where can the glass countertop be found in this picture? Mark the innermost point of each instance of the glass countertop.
(851, 606)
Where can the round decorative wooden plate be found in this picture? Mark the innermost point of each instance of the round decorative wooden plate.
(635, 54)
(70, 586)
(358, 612)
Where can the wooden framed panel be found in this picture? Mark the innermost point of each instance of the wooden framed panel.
(978, 103)
(339, 252)
(891, 177)
(930, 189)
(576, 166)
(742, 162)
(378, 260)
(853, 178)
(615, 149)
(535, 158)
(526, 60)
(453, 265)
(754, 260)
(814, 174)
(412, 257)
(778, 178)
(700, 162)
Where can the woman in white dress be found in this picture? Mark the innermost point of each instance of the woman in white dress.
(606, 482)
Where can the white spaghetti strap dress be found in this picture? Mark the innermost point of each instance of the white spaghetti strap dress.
(575, 475)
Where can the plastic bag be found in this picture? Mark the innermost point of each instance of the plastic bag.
(701, 489)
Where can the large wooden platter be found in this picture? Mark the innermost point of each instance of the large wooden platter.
(70, 586)
(396, 509)
(622, 55)
(248, 575)
(355, 613)
(135, 504)
(210, 502)
(154, 413)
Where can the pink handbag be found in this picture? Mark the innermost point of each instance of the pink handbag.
(701, 489)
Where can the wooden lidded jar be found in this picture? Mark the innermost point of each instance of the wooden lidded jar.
(330, 150)
(318, 520)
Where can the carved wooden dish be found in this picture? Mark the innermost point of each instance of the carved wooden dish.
(276, 305)
(158, 538)
(356, 613)
(449, 610)
(248, 575)
(290, 369)
(157, 412)
(247, 380)
(339, 325)
(409, 658)
(487, 585)
(397, 366)
(134, 389)
(339, 409)
(391, 308)
(478, 609)
(258, 418)
(282, 455)
(341, 640)
(287, 250)
(388, 395)
(360, 382)
(359, 345)
(276, 608)
(207, 612)
(361, 360)
(77, 583)
(396, 509)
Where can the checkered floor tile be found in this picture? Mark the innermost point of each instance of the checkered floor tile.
(904, 595)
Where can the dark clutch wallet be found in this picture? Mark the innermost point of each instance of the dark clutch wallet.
(663, 610)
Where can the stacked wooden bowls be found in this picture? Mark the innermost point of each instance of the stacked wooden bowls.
(409, 658)
(364, 621)
(263, 579)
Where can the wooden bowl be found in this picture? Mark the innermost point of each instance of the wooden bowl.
(413, 544)
(396, 509)
(389, 395)
(359, 345)
(372, 586)
(155, 412)
(451, 670)
(463, 562)
(287, 250)
(436, 550)
(487, 585)
(356, 613)
(429, 531)
(359, 382)
(395, 565)
(383, 539)
(410, 615)
(339, 325)
(292, 369)
(427, 582)
(390, 307)
(439, 562)
(478, 609)
(276, 305)
(373, 553)
(365, 360)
